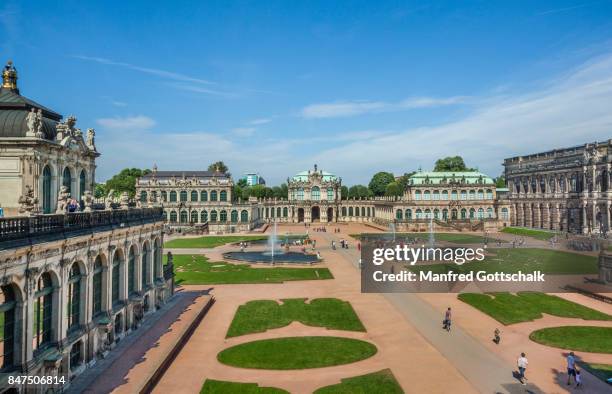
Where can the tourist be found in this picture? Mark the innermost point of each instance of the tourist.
(334, 245)
(318, 255)
(578, 379)
(522, 366)
(497, 336)
(571, 368)
(447, 319)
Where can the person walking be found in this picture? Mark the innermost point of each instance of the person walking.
(578, 379)
(522, 363)
(571, 368)
(447, 319)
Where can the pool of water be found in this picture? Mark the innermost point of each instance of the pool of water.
(266, 257)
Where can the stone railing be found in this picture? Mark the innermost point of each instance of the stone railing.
(19, 231)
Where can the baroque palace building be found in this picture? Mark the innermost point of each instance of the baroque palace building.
(563, 189)
(450, 200)
(72, 284)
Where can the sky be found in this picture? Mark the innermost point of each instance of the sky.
(356, 87)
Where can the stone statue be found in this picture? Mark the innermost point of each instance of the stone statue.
(91, 136)
(31, 123)
(39, 124)
(108, 201)
(62, 200)
(28, 203)
(124, 200)
(88, 200)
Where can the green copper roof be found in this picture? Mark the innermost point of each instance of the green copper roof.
(303, 176)
(436, 178)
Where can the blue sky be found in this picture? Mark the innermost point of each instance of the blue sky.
(356, 87)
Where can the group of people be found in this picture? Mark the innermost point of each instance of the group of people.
(320, 230)
(572, 369)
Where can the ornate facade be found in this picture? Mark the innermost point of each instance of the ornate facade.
(563, 189)
(71, 284)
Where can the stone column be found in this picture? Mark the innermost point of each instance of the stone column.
(585, 228)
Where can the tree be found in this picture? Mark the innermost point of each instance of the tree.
(359, 191)
(394, 189)
(242, 183)
(403, 180)
(344, 192)
(100, 190)
(246, 192)
(218, 166)
(258, 191)
(379, 182)
(451, 163)
(125, 181)
(236, 192)
(500, 181)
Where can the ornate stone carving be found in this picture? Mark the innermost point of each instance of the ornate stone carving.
(108, 201)
(88, 200)
(28, 203)
(62, 200)
(124, 200)
(91, 139)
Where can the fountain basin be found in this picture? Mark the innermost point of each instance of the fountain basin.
(267, 257)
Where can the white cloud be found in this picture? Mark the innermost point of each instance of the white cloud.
(260, 121)
(244, 131)
(139, 122)
(353, 108)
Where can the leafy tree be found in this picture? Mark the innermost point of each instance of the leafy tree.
(268, 192)
(403, 180)
(218, 166)
(500, 181)
(394, 189)
(246, 192)
(379, 182)
(236, 192)
(100, 190)
(359, 191)
(451, 163)
(125, 181)
(242, 183)
(258, 191)
(344, 192)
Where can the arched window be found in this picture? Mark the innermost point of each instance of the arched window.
(472, 195)
(75, 355)
(504, 213)
(67, 180)
(489, 212)
(234, 216)
(343, 211)
(131, 271)
(213, 215)
(427, 214)
(368, 211)
(315, 193)
(164, 196)
(7, 326)
(204, 216)
(356, 211)
(43, 311)
(408, 214)
(444, 194)
(480, 194)
(330, 194)
(436, 195)
(419, 214)
(436, 213)
(417, 195)
(97, 287)
(278, 212)
(144, 265)
(183, 195)
(244, 216)
(183, 216)
(46, 190)
(300, 194)
(445, 214)
(213, 195)
(82, 183)
(426, 195)
(472, 213)
(194, 216)
(173, 217)
(156, 260)
(480, 213)
(223, 195)
(463, 213)
(454, 214)
(172, 196)
(454, 195)
(285, 212)
(489, 194)
(203, 195)
(143, 196)
(463, 195)
(398, 214)
(74, 297)
(223, 216)
(115, 279)
(542, 185)
(362, 211)
(194, 195)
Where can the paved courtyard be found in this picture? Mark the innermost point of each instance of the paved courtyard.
(405, 328)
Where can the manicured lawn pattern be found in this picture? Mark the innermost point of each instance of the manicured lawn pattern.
(210, 241)
(527, 306)
(583, 339)
(601, 371)
(512, 260)
(377, 382)
(203, 272)
(537, 234)
(220, 387)
(262, 315)
(297, 353)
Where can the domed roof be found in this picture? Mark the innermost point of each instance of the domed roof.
(303, 175)
(14, 109)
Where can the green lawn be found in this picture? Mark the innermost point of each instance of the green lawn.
(511, 260)
(582, 339)
(526, 232)
(220, 387)
(601, 371)
(377, 382)
(297, 353)
(211, 241)
(262, 315)
(203, 272)
(458, 238)
(527, 306)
